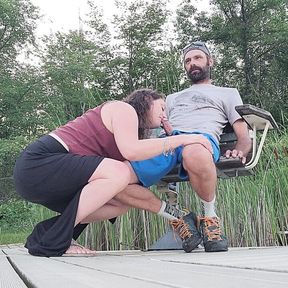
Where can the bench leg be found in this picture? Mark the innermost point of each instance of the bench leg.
(169, 241)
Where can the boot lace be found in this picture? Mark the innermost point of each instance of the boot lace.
(181, 227)
(212, 228)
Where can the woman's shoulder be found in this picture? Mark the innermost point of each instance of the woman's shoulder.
(118, 105)
(118, 111)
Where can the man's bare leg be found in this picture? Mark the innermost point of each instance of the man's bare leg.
(202, 176)
(198, 162)
(139, 197)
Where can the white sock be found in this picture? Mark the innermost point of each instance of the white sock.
(169, 211)
(209, 208)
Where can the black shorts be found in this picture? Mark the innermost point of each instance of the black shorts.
(46, 173)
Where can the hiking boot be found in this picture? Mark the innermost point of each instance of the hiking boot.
(213, 239)
(186, 227)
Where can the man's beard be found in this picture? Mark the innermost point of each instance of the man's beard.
(202, 74)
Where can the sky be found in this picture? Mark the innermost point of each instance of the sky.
(63, 15)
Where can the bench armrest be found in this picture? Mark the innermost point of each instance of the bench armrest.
(256, 117)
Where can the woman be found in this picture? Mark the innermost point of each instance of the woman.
(78, 168)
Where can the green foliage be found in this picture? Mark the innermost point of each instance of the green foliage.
(22, 103)
(17, 24)
(81, 69)
(249, 40)
(186, 29)
(140, 31)
(17, 219)
(15, 215)
(8, 237)
(70, 70)
(9, 151)
(18, 109)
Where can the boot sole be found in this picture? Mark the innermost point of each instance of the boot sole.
(193, 247)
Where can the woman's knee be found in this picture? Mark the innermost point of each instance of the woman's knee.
(112, 169)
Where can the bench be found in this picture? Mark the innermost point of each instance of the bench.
(258, 120)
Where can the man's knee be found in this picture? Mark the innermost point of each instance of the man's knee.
(197, 158)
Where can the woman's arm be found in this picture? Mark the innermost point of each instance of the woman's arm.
(123, 122)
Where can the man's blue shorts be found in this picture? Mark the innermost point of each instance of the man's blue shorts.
(150, 171)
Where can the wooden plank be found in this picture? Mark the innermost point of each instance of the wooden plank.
(274, 259)
(254, 267)
(47, 272)
(15, 250)
(8, 276)
(264, 258)
(178, 269)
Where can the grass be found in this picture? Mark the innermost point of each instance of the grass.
(18, 218)
(7, 237)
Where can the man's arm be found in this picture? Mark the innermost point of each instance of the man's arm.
(243, 145)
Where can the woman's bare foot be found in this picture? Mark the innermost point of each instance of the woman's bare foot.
(76, 249)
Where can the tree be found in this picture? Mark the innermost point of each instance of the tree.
(248, 38)
(22, 103)
(71, 74)
(17, 25)
(140, 36)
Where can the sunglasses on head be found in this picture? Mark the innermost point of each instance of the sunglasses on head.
(196, 45)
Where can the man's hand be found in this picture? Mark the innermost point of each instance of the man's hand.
(234, 154)
(165, 124)
(243, 145)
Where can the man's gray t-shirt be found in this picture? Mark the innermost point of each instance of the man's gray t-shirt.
(204, 108)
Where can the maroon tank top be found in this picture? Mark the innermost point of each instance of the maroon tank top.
(87, 135)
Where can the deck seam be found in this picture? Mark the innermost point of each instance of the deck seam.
(25, 280)
(225, 266)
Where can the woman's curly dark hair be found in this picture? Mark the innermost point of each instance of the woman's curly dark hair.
(141, 100)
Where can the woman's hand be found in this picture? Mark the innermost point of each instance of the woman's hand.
(199, 139)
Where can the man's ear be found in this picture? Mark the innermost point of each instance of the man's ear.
(210, 62)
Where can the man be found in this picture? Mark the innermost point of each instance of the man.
(202, 109)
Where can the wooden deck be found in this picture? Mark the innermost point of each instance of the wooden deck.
(239, 267)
